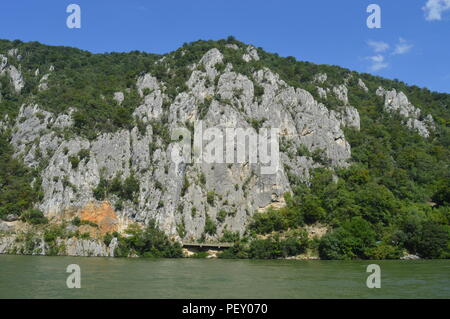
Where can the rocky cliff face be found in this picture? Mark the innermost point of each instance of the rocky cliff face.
(398, 102)
(10, 70)
(181, 196)
(13, 244)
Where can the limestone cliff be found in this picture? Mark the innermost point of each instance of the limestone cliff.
(180, 196)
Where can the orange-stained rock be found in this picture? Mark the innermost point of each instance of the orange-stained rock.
(102, 214)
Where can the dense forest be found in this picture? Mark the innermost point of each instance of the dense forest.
(394, 197)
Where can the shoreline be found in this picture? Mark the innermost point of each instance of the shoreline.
(293, 258)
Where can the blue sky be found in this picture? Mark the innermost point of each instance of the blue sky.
(413, 44)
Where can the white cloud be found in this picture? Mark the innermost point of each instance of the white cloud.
(434, 9)
(377, 58)
(378, 63)
(378, 46)
(402, 47)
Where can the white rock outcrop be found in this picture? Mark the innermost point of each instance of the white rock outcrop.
(398, 102)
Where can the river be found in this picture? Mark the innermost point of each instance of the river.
(45, 277)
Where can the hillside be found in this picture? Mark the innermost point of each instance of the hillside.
(87, 155)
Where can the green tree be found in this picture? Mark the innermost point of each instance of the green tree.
(149, 242)
(350, 241)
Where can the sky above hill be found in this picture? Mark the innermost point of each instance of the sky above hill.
(412, 45)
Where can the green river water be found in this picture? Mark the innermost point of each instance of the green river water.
(45, 277)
